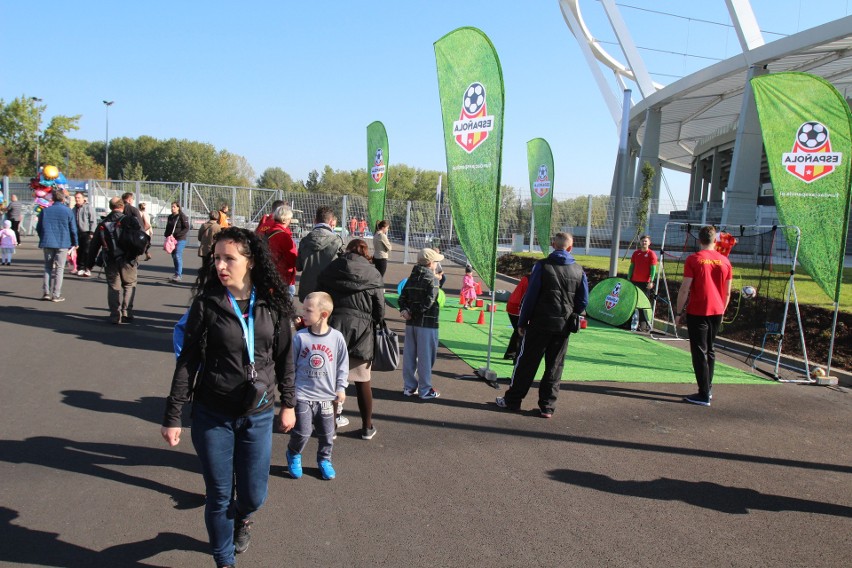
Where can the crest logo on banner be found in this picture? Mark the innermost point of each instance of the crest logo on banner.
(811, 157)
(613, 297)
(474, 123)
(378, 169)
(541, 186)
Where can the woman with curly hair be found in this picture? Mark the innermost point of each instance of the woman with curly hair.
(237, 348)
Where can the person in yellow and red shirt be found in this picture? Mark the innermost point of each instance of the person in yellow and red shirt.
(707, 277)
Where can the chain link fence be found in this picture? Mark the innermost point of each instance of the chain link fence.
(413, 224)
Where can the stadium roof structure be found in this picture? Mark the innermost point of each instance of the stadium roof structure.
(707, 104)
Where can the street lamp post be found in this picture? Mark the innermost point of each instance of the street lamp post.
(37, 100)
(106, 146)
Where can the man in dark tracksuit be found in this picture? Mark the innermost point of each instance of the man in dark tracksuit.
(557, 288)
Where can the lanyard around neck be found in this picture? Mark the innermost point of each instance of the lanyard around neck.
(248, 329)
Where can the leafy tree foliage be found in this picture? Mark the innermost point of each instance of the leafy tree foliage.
(22, 132)
(275, 178)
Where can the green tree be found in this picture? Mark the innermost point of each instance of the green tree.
(22, 132)
(275, 178)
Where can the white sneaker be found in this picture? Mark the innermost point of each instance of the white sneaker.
(81, 273)
(87, 273)
(341, 421)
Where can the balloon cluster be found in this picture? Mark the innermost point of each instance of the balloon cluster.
(48, 179)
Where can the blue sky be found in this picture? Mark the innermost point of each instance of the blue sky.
(294, 84)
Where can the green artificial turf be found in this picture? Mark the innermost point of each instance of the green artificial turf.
(597, 353)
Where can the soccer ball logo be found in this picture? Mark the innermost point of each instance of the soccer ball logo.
(473, 125)
(749, 291)
(474, 98)
(541, 186)
(811, 157)
(812, 135)
(378, 169)
(612, 298)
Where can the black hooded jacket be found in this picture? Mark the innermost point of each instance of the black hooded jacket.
(358, 293)
(214, 337)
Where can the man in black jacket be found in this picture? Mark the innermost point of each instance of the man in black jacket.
(557, 289)
(119, 267)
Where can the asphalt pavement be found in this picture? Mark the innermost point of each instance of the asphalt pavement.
(622, 475)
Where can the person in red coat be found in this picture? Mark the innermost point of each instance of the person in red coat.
(513, 308)
(282, 246)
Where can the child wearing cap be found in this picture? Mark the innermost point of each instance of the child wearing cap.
(418, 306)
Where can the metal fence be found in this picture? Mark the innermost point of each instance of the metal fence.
(413, 224)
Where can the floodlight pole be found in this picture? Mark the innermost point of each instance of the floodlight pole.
(38, 132)
(106, 145)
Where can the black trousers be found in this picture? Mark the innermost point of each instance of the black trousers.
(643, 289)
(515, 340)
(16, 228)
(381, 265)
(83, 241)
(537, 343)
(702, 336)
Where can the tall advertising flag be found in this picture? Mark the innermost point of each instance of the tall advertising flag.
(470, 84)
(377, 167)
(807, 133)
(540, 162)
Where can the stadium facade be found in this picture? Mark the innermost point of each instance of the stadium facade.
(706, 123)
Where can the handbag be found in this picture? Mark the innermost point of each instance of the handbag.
(385, 348)
(170, 244)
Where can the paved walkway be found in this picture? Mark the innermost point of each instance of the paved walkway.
(623, 475)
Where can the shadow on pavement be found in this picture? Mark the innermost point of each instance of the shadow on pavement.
(21, 545)
(721, 498)
(98, 460)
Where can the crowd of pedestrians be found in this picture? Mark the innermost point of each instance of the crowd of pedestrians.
(245, 337)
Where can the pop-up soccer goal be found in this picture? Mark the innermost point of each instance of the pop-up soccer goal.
(764, 287)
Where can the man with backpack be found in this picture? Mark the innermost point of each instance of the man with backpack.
(117, 243)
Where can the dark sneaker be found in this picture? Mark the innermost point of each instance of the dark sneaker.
(115, 318)
(294, 464)
(242, 536)
(432, 393)
(546, 413)
(326, 470)
(697, 399)
(127, 316)
(501, 402)
(368, 433)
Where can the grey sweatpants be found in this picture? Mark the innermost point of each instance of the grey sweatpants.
(420, 350)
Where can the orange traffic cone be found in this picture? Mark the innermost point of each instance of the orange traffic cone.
(481, 319)
(459, 317)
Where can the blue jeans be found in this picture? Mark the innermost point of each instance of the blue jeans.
(235, 454)
(177, 257)
(308, 415)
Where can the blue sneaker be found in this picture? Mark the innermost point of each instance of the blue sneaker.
(326, 469)
(294, 464)
(430, 394)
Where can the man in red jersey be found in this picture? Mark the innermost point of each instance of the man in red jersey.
(706, 285)
(643, 270)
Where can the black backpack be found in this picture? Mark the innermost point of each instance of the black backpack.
(124, 238)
